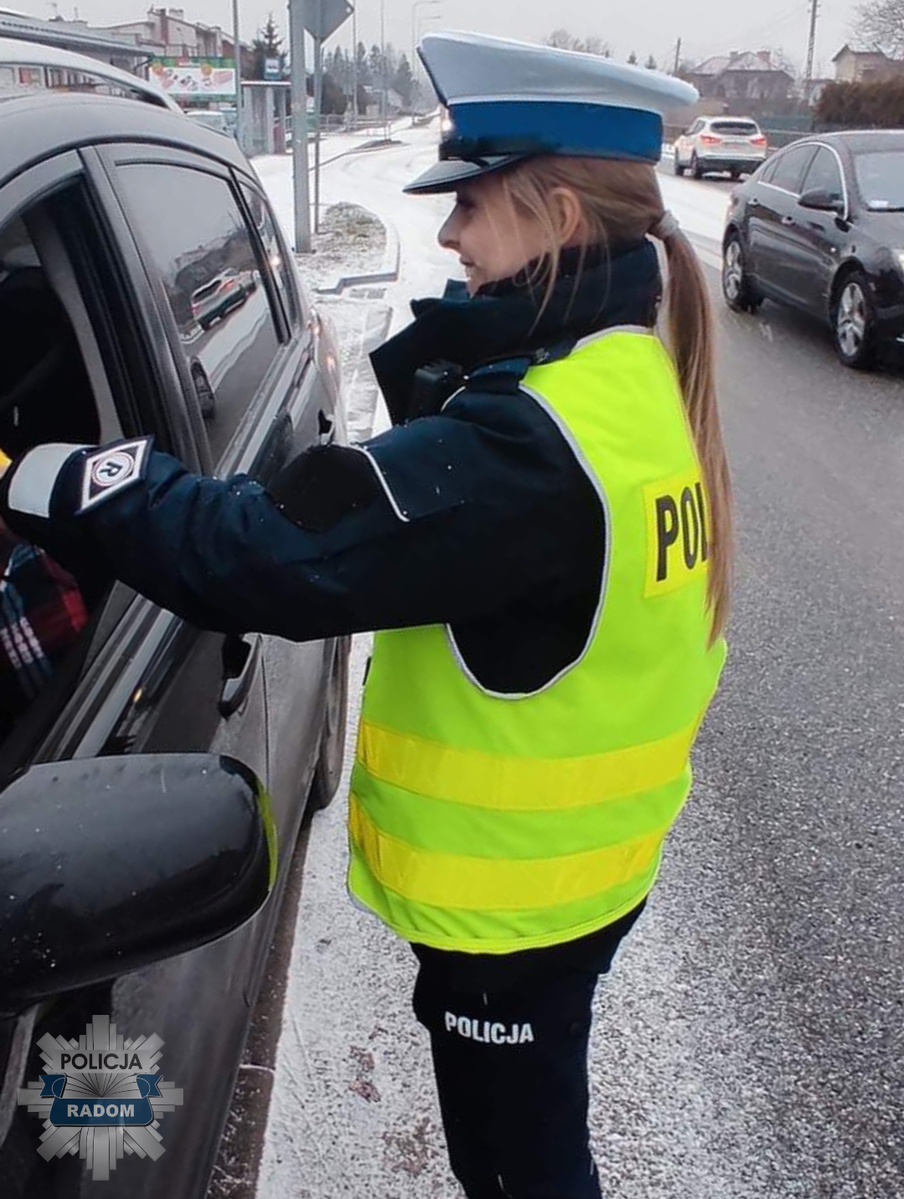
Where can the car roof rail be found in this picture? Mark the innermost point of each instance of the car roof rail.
(17, 53)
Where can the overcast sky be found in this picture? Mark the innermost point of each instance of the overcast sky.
(653, 27)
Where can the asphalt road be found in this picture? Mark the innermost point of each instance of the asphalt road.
(749, 1043)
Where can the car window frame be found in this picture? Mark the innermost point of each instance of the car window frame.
(54, 725)
(297, 320)
(147, 153)
(175, 425)
(24, 192)
(845, 191)
(783, 154)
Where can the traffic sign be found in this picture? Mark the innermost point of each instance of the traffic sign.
(324, 17)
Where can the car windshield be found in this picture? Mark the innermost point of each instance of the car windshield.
(880, 177)
(738, 128)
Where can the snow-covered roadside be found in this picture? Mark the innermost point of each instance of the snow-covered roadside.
(275, 170)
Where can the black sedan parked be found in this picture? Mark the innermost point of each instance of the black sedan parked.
(821, 227)
(152, 790)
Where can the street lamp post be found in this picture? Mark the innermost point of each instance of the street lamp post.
(355, 65)
(414, 31)
(237, 45)
(384, 105)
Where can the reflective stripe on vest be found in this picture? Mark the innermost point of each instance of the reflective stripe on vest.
(492, 824)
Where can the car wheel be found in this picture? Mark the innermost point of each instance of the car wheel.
(328, 773)
(854, 323)
(696, 169)
(740, 294)
(207, 400)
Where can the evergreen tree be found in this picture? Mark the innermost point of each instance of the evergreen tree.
(267, 44)
(376, 67)
(335, 100)
(632, 59)
(364, 77)
(651, 64)
(403, 81)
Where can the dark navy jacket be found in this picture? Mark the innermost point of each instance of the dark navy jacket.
(477, 515)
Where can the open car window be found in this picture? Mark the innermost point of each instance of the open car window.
(46, 394)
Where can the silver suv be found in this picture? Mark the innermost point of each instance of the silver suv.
(735, 145)
(134, 834)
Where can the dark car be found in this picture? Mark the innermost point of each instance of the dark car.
(821, 227)
(152, 793)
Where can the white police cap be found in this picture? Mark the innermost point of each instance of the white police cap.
(512, 100)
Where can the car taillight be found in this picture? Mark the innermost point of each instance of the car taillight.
(710, 139)
(758, 141)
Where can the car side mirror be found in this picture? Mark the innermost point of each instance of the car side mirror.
(111, 864)
(821, 200)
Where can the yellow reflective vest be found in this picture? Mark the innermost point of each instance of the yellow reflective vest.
(491, 824)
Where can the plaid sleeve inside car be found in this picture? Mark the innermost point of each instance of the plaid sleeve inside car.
(41, 615)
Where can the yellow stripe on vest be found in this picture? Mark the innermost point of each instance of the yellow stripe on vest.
(450, 881)
(517, 784)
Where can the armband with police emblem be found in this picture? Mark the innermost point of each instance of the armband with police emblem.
(81, 476)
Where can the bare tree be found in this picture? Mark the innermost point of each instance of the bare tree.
(596, 45)
(879, 24)
(561, 39)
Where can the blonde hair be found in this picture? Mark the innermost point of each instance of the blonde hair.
(621, 203)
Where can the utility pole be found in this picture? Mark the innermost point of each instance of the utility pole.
(677, 57)
(300, 128)
(811, 47)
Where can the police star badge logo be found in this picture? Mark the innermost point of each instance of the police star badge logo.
(101, 1097)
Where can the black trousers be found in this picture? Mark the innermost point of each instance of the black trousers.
(509, 1036)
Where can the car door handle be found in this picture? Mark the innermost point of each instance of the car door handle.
(240, 660)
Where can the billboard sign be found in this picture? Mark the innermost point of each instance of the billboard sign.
(208, 78)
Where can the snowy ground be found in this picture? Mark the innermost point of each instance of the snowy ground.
(354, 1112)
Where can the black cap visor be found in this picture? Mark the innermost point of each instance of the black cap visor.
(448, 175)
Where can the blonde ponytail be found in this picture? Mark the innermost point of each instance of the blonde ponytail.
(690, 326)
(621, 203)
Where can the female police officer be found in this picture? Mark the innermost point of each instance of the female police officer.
(546, 530)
